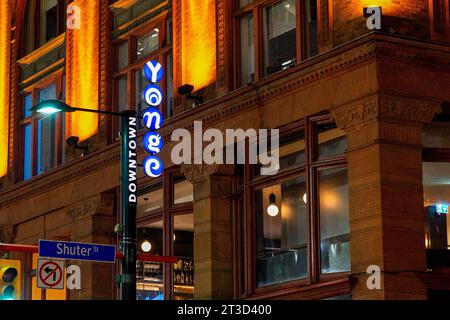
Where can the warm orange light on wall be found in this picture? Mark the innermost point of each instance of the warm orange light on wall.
(82, 71)
(4, 84)
(198, 42)
(385, 4)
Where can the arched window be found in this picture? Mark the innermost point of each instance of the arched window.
(44, 21)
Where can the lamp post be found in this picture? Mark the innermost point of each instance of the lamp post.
(128, 161)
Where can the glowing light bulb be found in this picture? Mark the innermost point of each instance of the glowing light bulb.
(146, 246)
(305, 198)
(273, 210)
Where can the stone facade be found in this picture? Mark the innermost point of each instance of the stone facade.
(381, 89)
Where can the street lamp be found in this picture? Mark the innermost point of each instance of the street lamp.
(128, 187)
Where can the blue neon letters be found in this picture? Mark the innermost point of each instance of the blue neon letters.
(152, 95)
(153, 142)
(153, 71)
(153, 167)
(152, 119)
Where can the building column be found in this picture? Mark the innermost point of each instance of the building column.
(386, 193)
(94, 223)
(212, 230)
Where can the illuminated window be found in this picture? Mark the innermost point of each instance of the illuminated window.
(46, 19)
(164, 216)
(436, 181)
(279, 36)
(42, 138)
(283, 38)
(132, 52)
(299, 218)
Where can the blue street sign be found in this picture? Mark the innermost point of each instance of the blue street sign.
(77, 251)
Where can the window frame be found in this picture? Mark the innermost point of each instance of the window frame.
(256, 9)
(61, 17)
(32, 120)
(166, 214)
(245, 191)
(135, 64)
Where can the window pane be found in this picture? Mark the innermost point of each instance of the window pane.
(247, 51)
(27, 152)
(46, 142)
(169, 86)
(48, 20)
(149, 275)
(281, 233)
(183, 192)
(122, 56)
(27, 105)
(292, 151)
(169, 32)
(150, 202)
(148, 43)
(436, 135)
(332, 140)
(243, 3)
(140, 83)
(334, 221)
(313, 48)
(279, 36)
(122, 94)
(436, 185)
(30, 23)
(183, 247)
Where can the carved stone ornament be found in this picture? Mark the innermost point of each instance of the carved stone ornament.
(98, 205)
(385, 107)
(195, 172)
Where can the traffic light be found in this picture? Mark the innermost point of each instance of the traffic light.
(9, 280)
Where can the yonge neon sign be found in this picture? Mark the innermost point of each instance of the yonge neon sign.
(153, 119)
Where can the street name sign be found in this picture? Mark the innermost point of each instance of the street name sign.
(77, 251)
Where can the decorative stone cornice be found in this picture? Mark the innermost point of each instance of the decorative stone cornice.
(99, 205)
(385, 107)
(61, 175)
(195, 172)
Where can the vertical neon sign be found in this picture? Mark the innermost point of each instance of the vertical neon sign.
(153, 119)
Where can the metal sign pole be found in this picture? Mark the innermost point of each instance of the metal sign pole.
(129, 201)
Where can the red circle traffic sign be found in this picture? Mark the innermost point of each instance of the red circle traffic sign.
(55, 270)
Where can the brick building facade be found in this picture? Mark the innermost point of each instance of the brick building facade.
(364, 120)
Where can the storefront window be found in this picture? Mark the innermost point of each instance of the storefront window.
(436, 181)
(150, 202)
(334, 221)
(280, 36)
(150, 285)
(436, 185)
(296, 225)
(281, 233)
(183, 248)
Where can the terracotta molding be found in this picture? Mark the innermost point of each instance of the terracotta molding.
(384, 107)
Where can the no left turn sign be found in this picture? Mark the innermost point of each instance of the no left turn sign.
(50, 274)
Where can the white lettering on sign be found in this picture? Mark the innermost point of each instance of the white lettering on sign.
(132, 160)
(63, 249)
